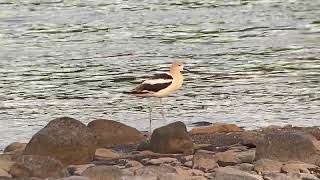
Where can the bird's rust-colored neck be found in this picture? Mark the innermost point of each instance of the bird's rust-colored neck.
(174, 70)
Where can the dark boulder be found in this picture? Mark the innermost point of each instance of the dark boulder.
(64, 139)
(172, 138)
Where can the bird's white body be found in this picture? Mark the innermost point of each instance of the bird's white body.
(173, 87)
(161, 85)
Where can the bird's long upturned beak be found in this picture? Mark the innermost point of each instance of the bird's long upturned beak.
(184, 69)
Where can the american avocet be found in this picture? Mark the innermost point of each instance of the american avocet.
(160, 85)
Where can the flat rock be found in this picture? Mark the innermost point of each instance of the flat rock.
(103, 173)
(38, 166)
(266, 166)
(20, 178)
(297, 167)
(64, 139)
(6, 164)
(105, 154)
(216, 128)
(227, 173)
(112, 133)
(75, 178)
(220, 140)
(4, 173)
(154, 170)
(139, 178)
(286, 146)
(227, 158)
(204, 161)
(172, 138)
(164, 160)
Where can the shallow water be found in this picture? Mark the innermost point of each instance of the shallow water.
(254, 62)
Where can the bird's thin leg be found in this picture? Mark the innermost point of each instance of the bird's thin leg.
(162, 112)
(150, 120)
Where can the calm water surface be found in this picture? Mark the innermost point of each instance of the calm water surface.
(254, 62)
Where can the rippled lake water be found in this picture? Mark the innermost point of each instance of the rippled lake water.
(254, 62)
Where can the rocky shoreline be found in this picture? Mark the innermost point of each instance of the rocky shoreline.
(67, 149)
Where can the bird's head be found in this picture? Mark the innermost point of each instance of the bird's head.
(177, 65)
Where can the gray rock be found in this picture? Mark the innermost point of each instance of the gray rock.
(112, 133)
(246, 156)
(38, 166)
(265, 166)
(246, 167)
(172, 138)
(204, 161)
(286, 146)
(103, 173)
(64, 139)
(227, 173)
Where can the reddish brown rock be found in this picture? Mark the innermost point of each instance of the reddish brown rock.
(64, 139)
(112, 133)
(38, 166)
(216, 128)
(105, 154)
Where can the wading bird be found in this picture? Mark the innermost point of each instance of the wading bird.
(160, 85)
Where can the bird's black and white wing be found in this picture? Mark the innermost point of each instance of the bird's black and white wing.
(154, 84)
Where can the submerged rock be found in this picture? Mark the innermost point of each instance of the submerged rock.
(112, 133)
(65, 139)
(172, 138)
